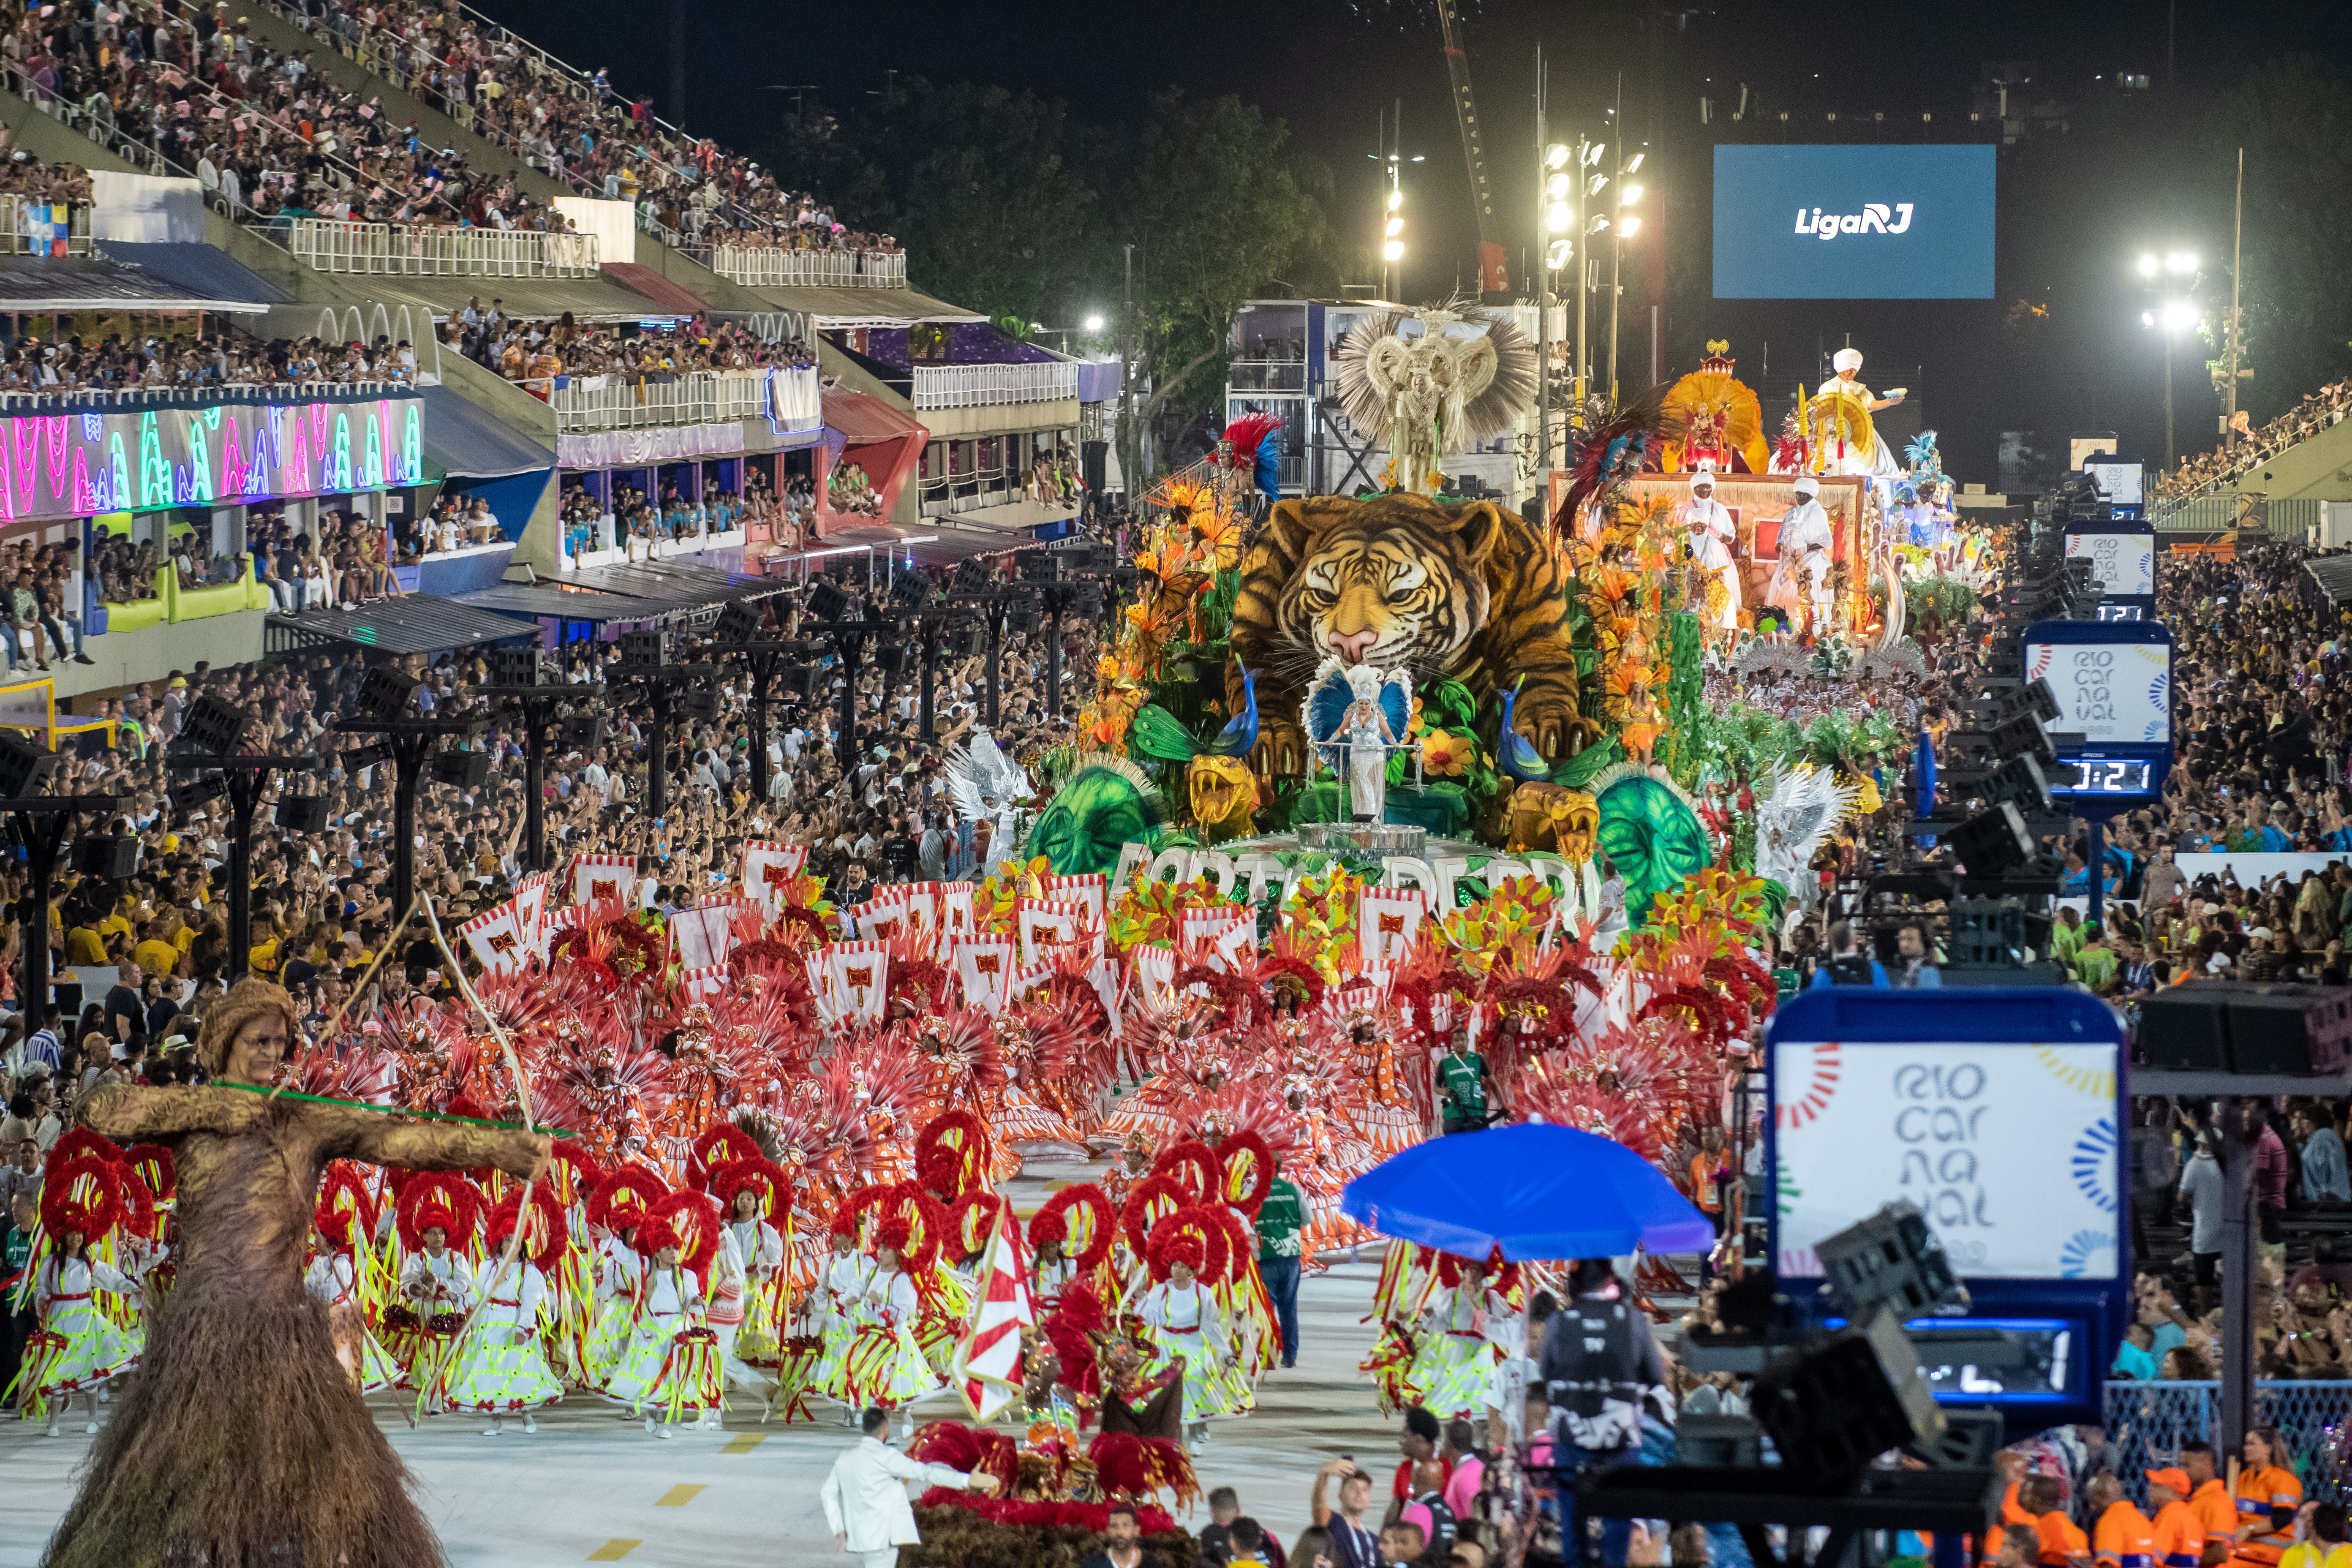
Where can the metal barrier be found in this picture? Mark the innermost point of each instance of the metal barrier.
(2298, 517)
(767, 267)
(421, 251)
(591, 404)
(2148, 1422)
(985, 385)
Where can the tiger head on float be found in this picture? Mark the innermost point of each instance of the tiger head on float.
(1465, 590)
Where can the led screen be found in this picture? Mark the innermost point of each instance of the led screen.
(1853, 223)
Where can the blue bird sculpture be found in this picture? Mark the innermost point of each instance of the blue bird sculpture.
(1513, 753)
(1240, 732)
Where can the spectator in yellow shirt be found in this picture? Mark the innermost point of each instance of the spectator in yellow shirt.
(2323, 1544)
(155, 955)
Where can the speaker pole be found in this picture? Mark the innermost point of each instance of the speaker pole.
(244, 777)
(41, 823)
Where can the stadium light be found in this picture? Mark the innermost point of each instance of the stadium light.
(1556, 187)
(1392, 251)
(1396, 200)
(1094, 323)
(1629, 196)
(1628, 227)
(1556, 255)
(1556, 155)
(2147, 318)
(2149, 265)
(1558, 216)
(2177, 315)
(1634, 165)
(1395, 227)
(1596, 225)
(2180, 261)
(1592, 152)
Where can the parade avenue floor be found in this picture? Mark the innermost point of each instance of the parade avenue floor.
(592, 1488)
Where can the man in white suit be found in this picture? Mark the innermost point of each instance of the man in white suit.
(865, 1501)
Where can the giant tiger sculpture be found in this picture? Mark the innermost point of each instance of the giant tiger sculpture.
(1465, 590)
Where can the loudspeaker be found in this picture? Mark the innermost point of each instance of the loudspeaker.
(467, 770)
(24, 768)
(1970, 1440)
(1717, 1440)
(2186, 1028)
(826, 602)
(975, 641)
(583, 731)
(1855, 1395)
(700, 704)
(515, 666)
(1993, 841)
(2287, 1029)
(1889, 1258)
(644, 649)
(738, 623)
(110, 859)
(302, 813)
(384, 692)
(890, 658)
(212, 725)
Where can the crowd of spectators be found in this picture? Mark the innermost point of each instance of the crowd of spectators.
(2249, 448)
(534, 352)
(637, 524)
(186, 361)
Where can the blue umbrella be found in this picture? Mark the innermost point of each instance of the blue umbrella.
(1534, 1190)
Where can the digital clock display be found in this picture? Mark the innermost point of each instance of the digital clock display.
(2106, 775)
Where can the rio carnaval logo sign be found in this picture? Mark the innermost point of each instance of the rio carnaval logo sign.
(1874, 218)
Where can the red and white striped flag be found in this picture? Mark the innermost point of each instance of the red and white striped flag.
(988, 1357)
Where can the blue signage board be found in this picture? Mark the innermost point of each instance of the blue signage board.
(1998, 1113)
(1853, 223)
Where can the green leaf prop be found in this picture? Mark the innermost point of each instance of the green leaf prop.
(1097, 811)
(1654, 839)
(1587, 764)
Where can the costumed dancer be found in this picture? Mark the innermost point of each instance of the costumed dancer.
(437, 1284)
(337, 1279)
(885, 1367)
(78, 1349)
(1880, 462)
(1181, 1313)
(616, 1208)
(501, 1366)
(1801, 580)
(832, 1313)
(1712, 537)
(1465, 1335)
(240, 1348)
(752, 1191)
(671, 1363)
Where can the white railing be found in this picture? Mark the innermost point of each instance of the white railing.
(984, 386)
(589, 404)
(766, 267)
(331, 245)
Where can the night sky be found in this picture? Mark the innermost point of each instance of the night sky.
(2074, 210)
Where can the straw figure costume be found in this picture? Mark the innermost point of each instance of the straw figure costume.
(241, 1439)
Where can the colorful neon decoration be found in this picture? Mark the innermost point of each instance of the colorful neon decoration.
(59, 466)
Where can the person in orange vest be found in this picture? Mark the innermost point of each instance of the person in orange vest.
(2179, 1534)
(2210, 1502)
(2061, 1541)
(2268, 1494)
(2121, 1536)
(2016, 1526)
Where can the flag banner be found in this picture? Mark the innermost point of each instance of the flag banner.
(923, 905)
(497, 938)
(952, 900)
(702, 984)
(1044, 920)
(705, 935)
(530, 906)
(883, 917)
(596, 878)
(767, 866)
(1387, 925)
(988, 1356)
(1155, 970)
(1093, 892)
(984, 968)
(857, 974)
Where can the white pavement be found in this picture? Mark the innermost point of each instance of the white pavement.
(590, 1487)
